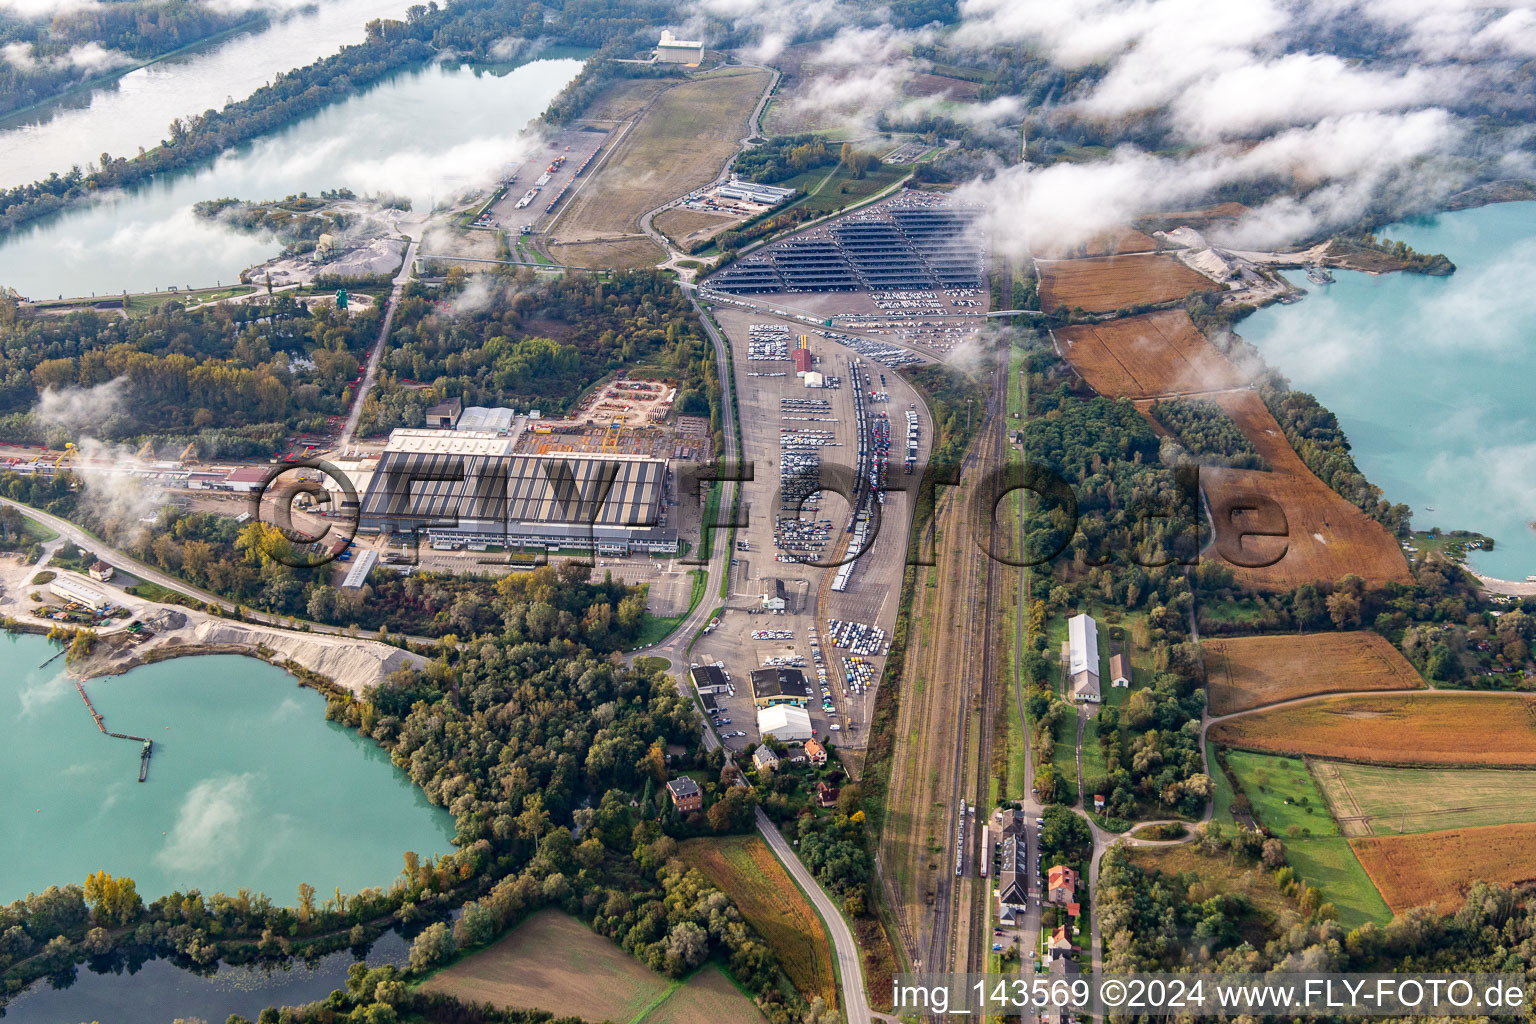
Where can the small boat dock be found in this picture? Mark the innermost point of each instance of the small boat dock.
(144, 752)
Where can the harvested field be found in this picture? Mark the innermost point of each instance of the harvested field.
(1437, 868)
(1249, 672)
(1376, 800)
(685, 227)
(1109, 243)
(706, 998)
(1435, 728)
(617, 254)
(1101, 284)
(1151, 356)
(623, 99)
(1320, 536)
(556, 963)
(746, 870)
(681, 140)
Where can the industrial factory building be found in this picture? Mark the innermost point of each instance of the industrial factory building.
(671, 50)
(753, 192)
(469, 488)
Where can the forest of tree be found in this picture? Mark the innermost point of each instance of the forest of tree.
(784, 157)
(1201, 429)
(239, 374)
(1317, 437)
(552, 758)
(519, 340)
(1154, 920)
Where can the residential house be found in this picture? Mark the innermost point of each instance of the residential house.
(1061, 885)
(826, 795)
(815, 752)
(686, 795)
(765, 759)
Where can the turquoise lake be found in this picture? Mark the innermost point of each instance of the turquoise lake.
(249, 786)
(428, 134)
(1432, 378)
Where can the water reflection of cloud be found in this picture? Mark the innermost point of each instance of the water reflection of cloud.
(37, 695)
(215, 818)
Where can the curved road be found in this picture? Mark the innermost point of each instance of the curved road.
(850, 968)
(753, 131)
(134, 567)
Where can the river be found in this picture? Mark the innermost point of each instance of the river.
(426, 134)
(1431, 377)
(135, 109)
(249, 786)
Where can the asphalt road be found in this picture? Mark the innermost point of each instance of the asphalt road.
(131, 565)
(371, 373)
(850, 968)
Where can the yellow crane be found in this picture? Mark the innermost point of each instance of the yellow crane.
(147, 450)
(189, 453)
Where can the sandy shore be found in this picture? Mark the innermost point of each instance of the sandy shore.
(1495, 585)
(352, 663)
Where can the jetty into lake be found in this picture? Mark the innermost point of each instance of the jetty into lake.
(144, 752)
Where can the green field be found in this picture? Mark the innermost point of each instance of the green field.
(1378, 800)
(1330, 866)
(1286, 800)
(1222, 785)
(1284, 797)
(37, 531)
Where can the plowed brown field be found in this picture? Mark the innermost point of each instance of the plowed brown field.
(1114, 282)
(1149, 356)
(1438, 728)
(1439, 867)
(1109, 243)
(1249, 672)
(1324, 536)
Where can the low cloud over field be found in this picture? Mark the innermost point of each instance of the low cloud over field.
(1254, 94)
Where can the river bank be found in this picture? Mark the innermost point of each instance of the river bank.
(427, 134)
(131, 109)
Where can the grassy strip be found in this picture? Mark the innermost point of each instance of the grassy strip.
(37, 531)
(655, 629)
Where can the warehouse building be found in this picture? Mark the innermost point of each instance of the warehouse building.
(1083, 658)
(752, 192)
(710, 679)
(772, 686)
(469, 488)
(785, 724)
(74, 591)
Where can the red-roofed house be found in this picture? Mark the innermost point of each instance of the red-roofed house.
(1061, 884)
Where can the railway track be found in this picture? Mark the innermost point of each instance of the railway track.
(967, 554)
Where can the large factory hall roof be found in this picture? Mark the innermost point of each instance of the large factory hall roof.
(564, 488)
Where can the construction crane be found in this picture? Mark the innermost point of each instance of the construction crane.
(147, 449)
(189, 453)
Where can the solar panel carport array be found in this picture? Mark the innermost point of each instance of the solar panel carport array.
(901, 247)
